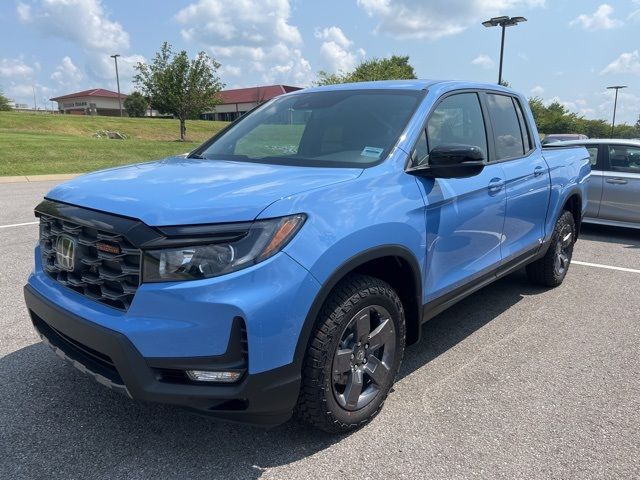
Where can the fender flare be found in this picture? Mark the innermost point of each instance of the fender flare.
(339, 273)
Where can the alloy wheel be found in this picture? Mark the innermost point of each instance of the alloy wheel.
(363, 360)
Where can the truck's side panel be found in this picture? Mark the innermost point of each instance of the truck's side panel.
(570, 169)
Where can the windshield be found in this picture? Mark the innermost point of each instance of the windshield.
(343, 128)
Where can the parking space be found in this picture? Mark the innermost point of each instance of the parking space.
(513, 382)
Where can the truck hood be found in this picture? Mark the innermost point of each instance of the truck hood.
(182, 191)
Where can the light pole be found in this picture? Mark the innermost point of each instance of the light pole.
(615, 104)
(115, 58)
(503, 22)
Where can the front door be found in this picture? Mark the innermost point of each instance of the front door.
(464, 217)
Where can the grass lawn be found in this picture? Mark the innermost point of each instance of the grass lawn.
(32, 144)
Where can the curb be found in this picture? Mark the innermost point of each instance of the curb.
(38, 178)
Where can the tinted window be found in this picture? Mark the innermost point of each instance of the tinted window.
(457, 120)
(526, 138)
(421, 151)
(625, 159)
(506, 127)
(593, 155)
(332, 128)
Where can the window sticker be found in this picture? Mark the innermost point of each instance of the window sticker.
(374, 152)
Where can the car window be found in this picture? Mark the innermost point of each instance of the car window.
(457, 120)
(526, 137)
(420, 153)
(593, 155)
(506, 128)
(340, 128)
(624, 158)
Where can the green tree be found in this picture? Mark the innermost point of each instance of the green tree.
(4, 103)
(391, 68)
(179, 86)
(135, 105)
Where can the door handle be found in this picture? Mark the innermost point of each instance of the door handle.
(617, 181)
(538, 171)
(495, 185)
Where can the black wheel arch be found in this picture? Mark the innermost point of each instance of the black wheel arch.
(371, 262)
(573, 204)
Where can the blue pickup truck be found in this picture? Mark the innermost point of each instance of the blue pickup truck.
(284, 265)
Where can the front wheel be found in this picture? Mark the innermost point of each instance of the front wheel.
(353, 356)
(551, 269)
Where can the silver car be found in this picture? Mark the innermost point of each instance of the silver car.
(614, 185)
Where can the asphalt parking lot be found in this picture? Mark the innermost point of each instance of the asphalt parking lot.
(513, 382)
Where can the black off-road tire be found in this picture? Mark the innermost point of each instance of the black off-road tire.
(550, 270)
(319, 401)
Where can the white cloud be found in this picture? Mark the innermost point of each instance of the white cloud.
(24, 11)
(335, 35)
(83, 22)
(599, 20)
(336, 51)
(625, 63)
(250, 38)
(103, 68)
(418, 19)
(537, 91)
(483, 61)
(67, 74)
(635, 14)
(241, 22)
(86, 24)
(15, 68)
(627, 108)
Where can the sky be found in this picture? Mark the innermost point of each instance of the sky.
(568, 51)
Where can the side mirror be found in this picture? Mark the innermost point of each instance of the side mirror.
(451, 161)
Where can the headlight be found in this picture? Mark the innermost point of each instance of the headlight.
(263, 239)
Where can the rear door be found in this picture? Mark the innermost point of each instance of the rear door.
(597, 155)
(528, 184)
(464, 216)
(621, 186)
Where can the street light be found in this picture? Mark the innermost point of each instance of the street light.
(615, 104)
(115, 58)
(503, 22)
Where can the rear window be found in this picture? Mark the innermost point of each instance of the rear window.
(506, 127)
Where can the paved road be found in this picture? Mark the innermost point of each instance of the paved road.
(514, 382)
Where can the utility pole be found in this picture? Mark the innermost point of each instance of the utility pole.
(35, 104)
(503, 22)
(615, 105)
(115, 58)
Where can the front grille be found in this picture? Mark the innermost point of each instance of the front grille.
(110, 275)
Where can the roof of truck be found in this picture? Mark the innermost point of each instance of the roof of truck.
(418, 84)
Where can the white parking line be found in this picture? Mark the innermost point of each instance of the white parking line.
(608, 267)
(18, 224)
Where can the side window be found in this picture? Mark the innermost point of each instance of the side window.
(593, 155)
(421, 151)
(624, 158)
(457, 120)
(526, 134)
(506, 127)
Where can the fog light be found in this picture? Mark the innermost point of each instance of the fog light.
(211, 376)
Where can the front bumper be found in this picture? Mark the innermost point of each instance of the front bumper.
(266, 398)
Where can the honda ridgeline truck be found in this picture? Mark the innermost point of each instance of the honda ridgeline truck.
(285, 264)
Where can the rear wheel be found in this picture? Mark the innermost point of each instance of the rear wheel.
(354, 355)
(551, 269)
